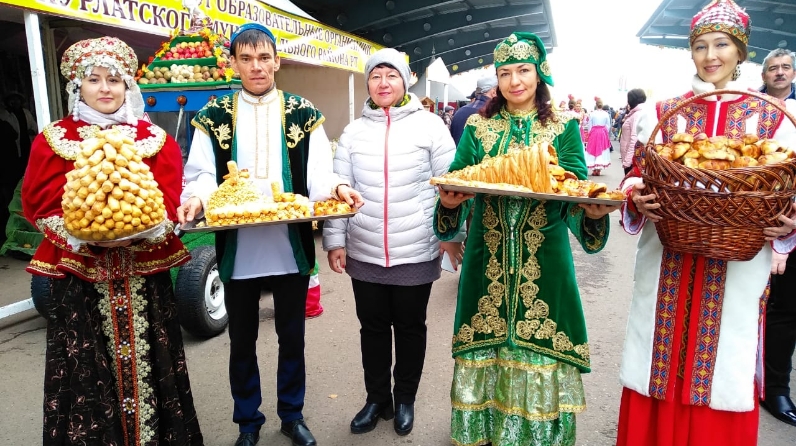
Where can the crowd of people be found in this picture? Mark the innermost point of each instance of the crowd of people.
(115, 368)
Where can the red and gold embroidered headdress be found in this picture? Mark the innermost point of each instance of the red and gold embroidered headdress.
(722, 16)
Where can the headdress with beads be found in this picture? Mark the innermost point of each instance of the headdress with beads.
(82, 57)
(523, 47)
(722, 16)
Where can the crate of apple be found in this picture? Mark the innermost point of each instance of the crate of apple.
(182, 74)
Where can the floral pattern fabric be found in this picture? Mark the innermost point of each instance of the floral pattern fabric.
(86, 369)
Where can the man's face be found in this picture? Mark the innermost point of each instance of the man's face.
(779, 73)
(256, 67)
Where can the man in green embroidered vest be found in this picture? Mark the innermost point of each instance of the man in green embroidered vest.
(281, 140)
(519, 338)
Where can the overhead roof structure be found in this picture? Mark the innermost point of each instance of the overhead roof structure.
(773, 25)
(463, 33)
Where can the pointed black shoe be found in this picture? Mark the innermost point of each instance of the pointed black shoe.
(247, 439)
(299, 433)
(366, 419)
(404, 418)
(781, 407)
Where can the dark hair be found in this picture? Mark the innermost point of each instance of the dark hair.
(571, 104)
(382, 65)
(544, 111)
(252, 38)
(606, 108)
(636, 96)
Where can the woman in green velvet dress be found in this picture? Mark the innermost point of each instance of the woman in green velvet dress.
(519, 340)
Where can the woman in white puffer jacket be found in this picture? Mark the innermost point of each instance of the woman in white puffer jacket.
(389, 248)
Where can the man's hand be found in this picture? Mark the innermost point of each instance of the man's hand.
(350, 196)
(778, 263)
(452, 200)
(336, 260)
(188, 210)
(455, 252)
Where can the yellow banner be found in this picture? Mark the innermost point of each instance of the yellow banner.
(297, 38)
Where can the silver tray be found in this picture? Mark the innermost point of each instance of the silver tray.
(191, 226)
(535, 195)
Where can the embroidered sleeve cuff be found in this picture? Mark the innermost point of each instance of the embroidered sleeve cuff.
(595, 233)
(446, 222)
(53, 229)
(785, 245)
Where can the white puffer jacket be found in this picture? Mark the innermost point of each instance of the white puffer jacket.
(389, 158)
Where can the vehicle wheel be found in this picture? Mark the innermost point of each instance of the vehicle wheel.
(40, 292)
(200, 294)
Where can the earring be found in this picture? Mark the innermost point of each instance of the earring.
(737, 73)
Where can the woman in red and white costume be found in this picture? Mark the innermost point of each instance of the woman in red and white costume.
(115, 368)
(693, 344)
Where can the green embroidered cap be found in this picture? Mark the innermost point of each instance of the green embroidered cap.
(522, 47)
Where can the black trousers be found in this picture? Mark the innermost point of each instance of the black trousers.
(781, 330)
(382, 309)
(242, 298)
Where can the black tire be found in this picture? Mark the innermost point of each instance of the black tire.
(40, 292)
(200, 295)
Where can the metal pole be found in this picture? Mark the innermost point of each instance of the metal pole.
(350, 97)
(51, 64)
(445, 96)
(37, 73)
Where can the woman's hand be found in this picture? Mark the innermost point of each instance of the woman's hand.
(597, 211)
(645, 203)
(350, 196)
(455, 252)
(778, 263)
(452, 200)
(336, 259)
(789, 224)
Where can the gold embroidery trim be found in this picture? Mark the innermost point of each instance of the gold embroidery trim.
(488, 131)
(68, 149)
(492, 404)
(480, 364)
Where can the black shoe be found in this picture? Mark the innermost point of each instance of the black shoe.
(404, 418)
(781, 407)
(247, 439)
(299, 433)
(366, 419)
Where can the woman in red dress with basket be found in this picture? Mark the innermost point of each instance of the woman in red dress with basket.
(692, 353)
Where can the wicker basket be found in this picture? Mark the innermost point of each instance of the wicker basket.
(717, 213)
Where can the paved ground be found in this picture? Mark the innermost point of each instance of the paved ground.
(334, 382)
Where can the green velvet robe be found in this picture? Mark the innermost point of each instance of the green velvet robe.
(517, 285)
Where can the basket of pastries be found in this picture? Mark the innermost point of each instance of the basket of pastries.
(530, 170)
(717, 194)
(110, 194)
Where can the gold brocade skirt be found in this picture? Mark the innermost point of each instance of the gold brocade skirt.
(507, 396)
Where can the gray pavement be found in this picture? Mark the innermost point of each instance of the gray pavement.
(335, 391)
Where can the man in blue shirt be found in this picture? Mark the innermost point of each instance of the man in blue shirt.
(780, 334)
(485, 91)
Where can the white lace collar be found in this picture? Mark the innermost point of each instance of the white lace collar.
(699, 86)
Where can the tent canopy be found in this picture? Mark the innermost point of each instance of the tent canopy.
(773, 25)
(462, 33)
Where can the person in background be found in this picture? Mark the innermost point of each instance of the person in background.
(616, 128)
(598, 155)
(281, 256)
(447, 115)
(11, 168)
(114, 368)
(26, 124)
(627, 143)
(519, 340)
(485, 87)
(780, 339)
(386, 248)
(692, 345)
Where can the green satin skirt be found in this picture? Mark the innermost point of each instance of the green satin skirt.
(511, 397)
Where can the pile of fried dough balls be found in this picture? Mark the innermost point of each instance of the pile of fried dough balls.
(111, 193)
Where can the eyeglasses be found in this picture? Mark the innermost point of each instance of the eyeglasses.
(775, 68)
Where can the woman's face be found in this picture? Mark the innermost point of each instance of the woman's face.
(715, 57)
(103, 91)
(386, 87)
(517, 82)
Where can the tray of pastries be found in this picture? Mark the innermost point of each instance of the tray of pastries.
(529, 172)
(238, 204)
